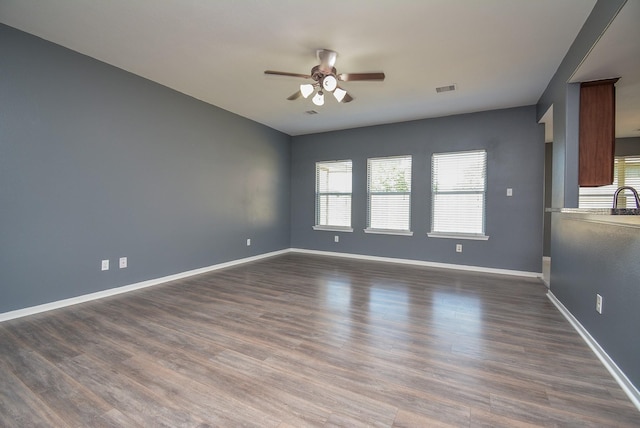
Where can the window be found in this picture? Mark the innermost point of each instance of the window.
(626, 172)
(389, 195)
(333, 195)
(458, 186)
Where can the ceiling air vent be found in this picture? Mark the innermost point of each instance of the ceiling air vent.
(446, 88)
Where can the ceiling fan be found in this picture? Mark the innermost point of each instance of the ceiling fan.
(326, 78)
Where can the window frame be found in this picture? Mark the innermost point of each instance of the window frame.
(370, 193)
(482, 236)
(319, 195)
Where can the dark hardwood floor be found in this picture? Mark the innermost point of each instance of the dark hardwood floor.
(300, 340)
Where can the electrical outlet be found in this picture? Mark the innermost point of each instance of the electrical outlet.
(104, 265)
(509, 191)
(458, 248)
(248, 242)
(599, 303)
(336, 238)
(122, 262)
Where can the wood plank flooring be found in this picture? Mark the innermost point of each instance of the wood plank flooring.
(300, 340)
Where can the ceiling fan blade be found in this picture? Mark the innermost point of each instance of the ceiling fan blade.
(294, 96)
(350, 77)
(347, 98)
(285, 73)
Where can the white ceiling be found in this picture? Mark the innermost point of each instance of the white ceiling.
(499, 53)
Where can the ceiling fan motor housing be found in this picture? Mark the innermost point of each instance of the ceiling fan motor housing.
(327, 59)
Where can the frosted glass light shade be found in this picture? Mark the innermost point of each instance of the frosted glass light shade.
(318, 99)
(339, 93)
(306, 89)
(329, 83)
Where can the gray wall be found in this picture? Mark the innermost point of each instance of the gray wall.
(592, 258)
(628, 146)
(565, 99)
(624, 147)
(515, 149)
(585, 257)
(548, 176)
(96, 163)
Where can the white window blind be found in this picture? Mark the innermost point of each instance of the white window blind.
(626, 172)
(389, 193)
(458, 185)
(333, 194)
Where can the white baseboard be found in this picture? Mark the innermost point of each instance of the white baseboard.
(421, 263)
(149, 283)
(619, 376)
(131, 287)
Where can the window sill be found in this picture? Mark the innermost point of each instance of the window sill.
(333, 228)
(470, 236)
(389, 232)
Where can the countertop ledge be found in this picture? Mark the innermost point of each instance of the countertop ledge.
(623, 217)
(596, 211)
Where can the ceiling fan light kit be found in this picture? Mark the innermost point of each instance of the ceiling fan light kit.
(330, 83)
(318, 99)
(326, 78)
(306, 89)
(339, 94)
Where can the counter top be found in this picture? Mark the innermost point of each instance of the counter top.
(627, 217)
(596, 211)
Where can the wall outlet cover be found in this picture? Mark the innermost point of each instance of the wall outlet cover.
(104, 265)
(122, 262)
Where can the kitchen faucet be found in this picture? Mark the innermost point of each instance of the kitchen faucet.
(620, 189)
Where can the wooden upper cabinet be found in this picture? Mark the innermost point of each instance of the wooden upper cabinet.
(597, 132)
